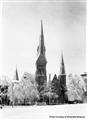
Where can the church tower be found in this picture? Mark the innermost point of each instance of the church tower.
(41, 77)
(62, 78)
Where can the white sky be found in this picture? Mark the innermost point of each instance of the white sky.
(64, 29)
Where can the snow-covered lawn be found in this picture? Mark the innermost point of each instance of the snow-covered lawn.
(43, 112)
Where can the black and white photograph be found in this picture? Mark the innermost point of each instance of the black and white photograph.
(43, 59)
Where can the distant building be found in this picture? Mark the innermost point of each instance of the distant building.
(41, 74)
(84, 77)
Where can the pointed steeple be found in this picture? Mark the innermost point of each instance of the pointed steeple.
(62, 66)
(42, 28)
(42, 46)
(41, 73)
(41, 49)
(16, 77)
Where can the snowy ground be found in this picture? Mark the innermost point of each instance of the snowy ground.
(44, 112)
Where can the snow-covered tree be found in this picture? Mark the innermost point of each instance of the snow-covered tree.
(25, 91)
(5, 81)
(15, 92)
(29, 88)
(75, 87)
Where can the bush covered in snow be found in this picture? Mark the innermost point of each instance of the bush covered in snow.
(75, 88)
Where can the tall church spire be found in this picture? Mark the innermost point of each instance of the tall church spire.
(62, 78)
(41, 28)
(62, 66)
(42, 46)
(16, 77)
(41, 77)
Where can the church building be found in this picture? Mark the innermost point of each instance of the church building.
(41, 74)
(58, 83)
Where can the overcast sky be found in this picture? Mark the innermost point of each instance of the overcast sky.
(64, 30)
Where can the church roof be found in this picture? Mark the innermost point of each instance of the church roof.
(54, 79)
